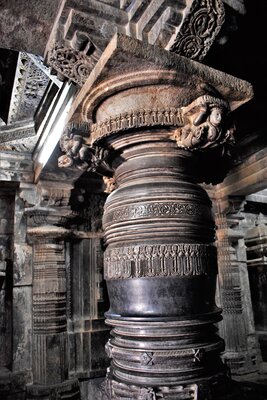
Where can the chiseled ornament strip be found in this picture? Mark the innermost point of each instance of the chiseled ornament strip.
(199, 29)
(163, 209)
(178, 392)
(159, 260)
(137, 119)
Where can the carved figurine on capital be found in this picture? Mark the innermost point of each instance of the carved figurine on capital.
(205, 124)
(80, 154)
(73, 144)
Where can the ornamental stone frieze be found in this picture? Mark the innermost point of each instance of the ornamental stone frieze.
(159, 119)
(83, 30)
(29, 85)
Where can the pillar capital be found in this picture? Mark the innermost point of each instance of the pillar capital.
(188, 102)
(47, 219)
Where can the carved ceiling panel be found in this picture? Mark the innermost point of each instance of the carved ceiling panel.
(29, 85)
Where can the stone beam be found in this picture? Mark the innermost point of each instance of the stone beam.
(16, 167)
(247, 178)
(84, 28)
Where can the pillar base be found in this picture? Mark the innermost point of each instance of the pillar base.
(241, 363)
(167, 358)
(67, 390)
(217, 387)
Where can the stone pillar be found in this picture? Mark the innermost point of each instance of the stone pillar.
(87, 331)
(49, 336)
(256, 242)
(160, 127)
(7, 200)
(240, 354)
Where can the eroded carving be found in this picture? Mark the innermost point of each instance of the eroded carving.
(71, 63)
(137, 119)
(199, 29)
(92, 214)
(157, 209)
(159, 260)
(177, 392)
(79, 154)
(205, 124)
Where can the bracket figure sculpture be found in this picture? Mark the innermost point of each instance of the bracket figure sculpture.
(205, 125)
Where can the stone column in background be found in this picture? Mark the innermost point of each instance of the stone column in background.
(50, 363)
(256, 242)
(159, 128)
(87, 295)
(7, 205)
(241, 353)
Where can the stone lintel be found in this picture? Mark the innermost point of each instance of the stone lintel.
(247, 178)
(16, 167)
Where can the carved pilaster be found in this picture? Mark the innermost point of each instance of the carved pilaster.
(49, 339)
(159, 125)
(240, 354)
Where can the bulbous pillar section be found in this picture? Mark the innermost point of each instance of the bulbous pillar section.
(160, 260)
(159, 121)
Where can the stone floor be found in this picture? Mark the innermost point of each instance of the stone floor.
(252, 386)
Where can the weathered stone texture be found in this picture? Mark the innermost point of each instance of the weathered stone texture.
(87, 331)
(16, 167)
(256, 242)
(25, 26)
(6, 303)
(22, 325)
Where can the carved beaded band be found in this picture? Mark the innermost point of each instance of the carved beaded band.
(159, 260)
(137, 119)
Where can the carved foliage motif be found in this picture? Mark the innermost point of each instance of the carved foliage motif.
(164, 209)
(159, 260)
(137, 119)
(199, 29)
(71, 63)
(205, 125)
